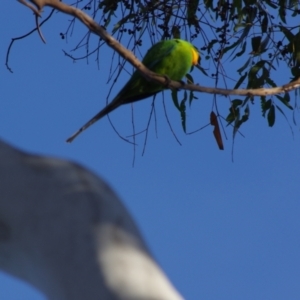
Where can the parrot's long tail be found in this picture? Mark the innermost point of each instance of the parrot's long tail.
(106, 110)
(119, 100)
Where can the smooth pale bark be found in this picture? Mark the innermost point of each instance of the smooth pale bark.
(63, 230)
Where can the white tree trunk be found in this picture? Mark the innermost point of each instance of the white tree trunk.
(63, 230)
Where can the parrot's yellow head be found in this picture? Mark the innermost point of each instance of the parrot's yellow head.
(195, 57)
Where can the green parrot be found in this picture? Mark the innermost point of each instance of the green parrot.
(172, 58)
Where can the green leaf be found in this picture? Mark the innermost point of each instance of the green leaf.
(255, 42)
(281, 111)
(250, 12)
(245, 65)
(236, 102)
(265, 105)
(296, 49)
(268, 104)
(176, 32)
(182, 112)
(189, 78)
(247, 112)
(237, 4)
(210, 45)
(121, 22)
(108, 5)
(174, 94)
(241, 52)
(282, 12)
(191, 97)
(192, 6)
(271, 4)
(240, 40)
(285, 100)
(288, 34)
(264, 23)
(208, 4)
(295, 72)
(262, 103)
(230, 118)
(201, 69)
(247, 99)
(240, 121)
(254, 70)
(234, 113)
(271, 115)
(264, 44)
(231, 46)
(287, 97)
(250, 2)
(253, 80)
(240, 81)
(271, 82)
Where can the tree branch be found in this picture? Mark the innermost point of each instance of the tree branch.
(149, 75)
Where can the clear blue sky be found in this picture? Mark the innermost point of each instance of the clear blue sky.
(219, 229)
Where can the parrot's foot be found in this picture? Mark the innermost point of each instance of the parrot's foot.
(168, 81)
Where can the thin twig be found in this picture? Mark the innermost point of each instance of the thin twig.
(168, 121)
(133, 136)
(147, 127)
(22, 37)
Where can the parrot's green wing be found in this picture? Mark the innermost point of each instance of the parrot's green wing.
(138, 88)
(158, 52)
